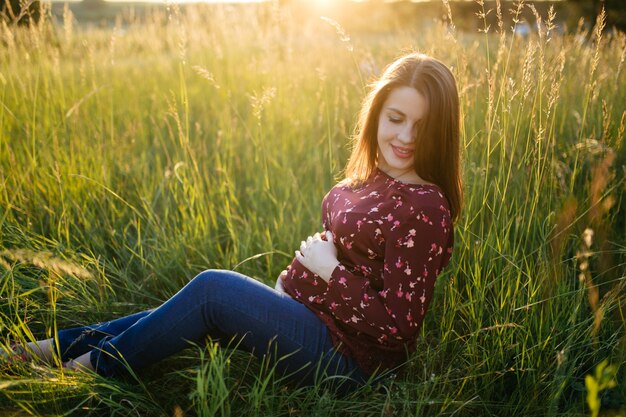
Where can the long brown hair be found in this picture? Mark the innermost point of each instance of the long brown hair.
(437, 153)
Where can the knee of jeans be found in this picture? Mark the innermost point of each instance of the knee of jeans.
(210, 280)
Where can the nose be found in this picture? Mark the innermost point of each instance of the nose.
(406, 134)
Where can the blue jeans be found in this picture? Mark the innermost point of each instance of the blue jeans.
(225, 306)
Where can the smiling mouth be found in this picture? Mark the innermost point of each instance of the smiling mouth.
(402, 152)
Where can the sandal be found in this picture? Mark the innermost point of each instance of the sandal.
(13, 357)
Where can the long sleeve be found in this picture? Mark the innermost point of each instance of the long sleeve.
(416, 248)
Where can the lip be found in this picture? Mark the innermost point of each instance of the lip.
(402, 153)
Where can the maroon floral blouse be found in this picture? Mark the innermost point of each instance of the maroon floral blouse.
(392, 239)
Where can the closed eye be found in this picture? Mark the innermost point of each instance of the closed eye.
(395, 120)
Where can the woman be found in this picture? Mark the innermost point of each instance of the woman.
(352, 301)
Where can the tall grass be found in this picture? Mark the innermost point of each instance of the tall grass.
(134, 157)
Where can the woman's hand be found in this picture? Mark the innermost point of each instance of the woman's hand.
(319, 256)
(279, 282)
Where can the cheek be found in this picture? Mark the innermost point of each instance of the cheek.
(381, 127)
(380, 134)
(384, 130)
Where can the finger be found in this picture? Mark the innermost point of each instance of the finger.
(299, 256)
(317, 236)
(309, 240)
(302, 246)
(279, 286)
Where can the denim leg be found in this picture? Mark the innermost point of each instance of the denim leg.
(77, 341)
(226, 304)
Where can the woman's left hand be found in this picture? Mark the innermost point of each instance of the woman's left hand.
(319, 256)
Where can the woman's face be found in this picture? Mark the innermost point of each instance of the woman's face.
(398, 121)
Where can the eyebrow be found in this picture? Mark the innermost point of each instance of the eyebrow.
(396, 110)
(393, 109)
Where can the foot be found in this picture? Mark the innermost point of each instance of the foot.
(13, 357)
(14, 354)
(82, 363)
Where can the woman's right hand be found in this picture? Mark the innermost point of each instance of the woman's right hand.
(279, 282)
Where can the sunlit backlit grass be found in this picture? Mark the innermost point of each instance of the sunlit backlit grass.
(134, 157)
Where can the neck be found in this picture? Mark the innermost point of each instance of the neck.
(408, 176)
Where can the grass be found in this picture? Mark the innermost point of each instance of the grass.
(134, 157)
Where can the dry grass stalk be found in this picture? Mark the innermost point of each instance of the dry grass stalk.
(206, 74)
(622, 39)
(583, 256)
(343, 36)
(499, 16)
(564, 222)
(597, 32)
(601, 177)
(482, 15)
(451, 28)
(528, 69)
(46, 261)
(68, 23)
(620, 132)
(516, 12)
(555, 86)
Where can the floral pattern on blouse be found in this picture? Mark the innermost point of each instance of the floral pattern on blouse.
(392, 239)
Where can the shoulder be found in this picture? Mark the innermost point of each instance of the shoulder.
(348, 187)
(420, 207)
(411, 199)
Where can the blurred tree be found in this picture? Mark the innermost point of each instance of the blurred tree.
(590, 9)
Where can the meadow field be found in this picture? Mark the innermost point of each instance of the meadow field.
(135, 156)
